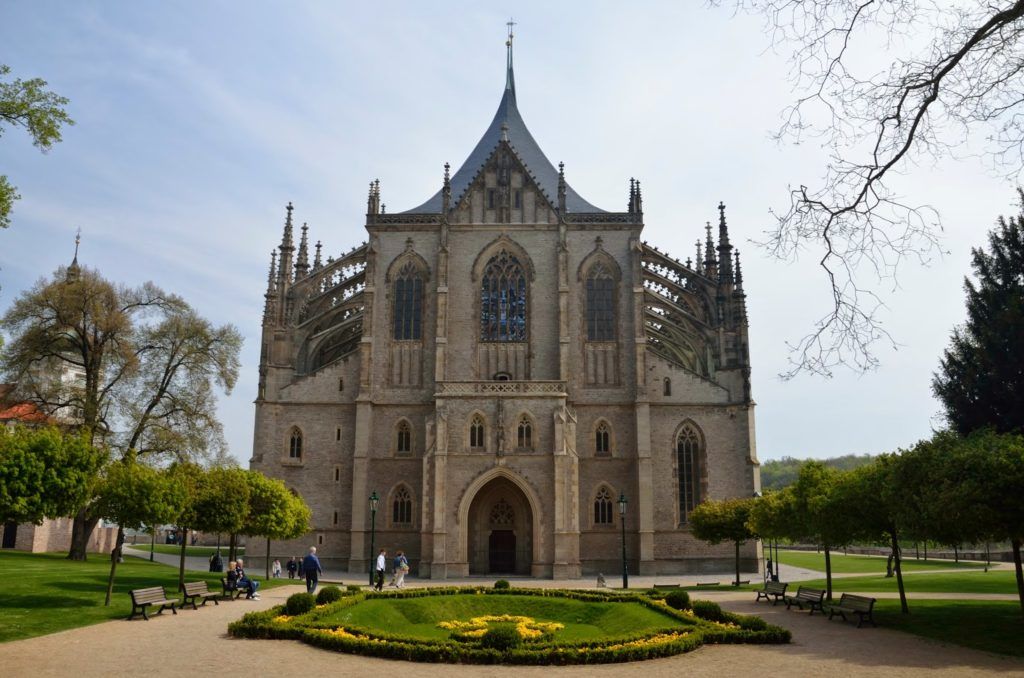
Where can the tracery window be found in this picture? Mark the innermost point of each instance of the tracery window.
(295, 445)
(401, 507)
(502, 514)
(603, 439)
(503, 299)
(403, 434)
(525, 433)
(603, 507)
(667, 390)
(408, 310)
(600, 304)
(688, 452)
(476, 432)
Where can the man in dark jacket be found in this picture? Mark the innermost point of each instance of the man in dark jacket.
(311, 566)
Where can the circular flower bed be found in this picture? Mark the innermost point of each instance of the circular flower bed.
(511, 626)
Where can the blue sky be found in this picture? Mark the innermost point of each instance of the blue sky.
(198, 122)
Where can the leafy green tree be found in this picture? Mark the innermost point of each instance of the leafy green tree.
(727, 520)
(132, 495)
(218, 501)
(44, 473)
(149, 361)
(274, 512)
(980, 382)
(28, 104)
(1005, 454)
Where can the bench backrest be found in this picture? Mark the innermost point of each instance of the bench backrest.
(775, 587)
(150, 595)
(193, 588)
(810, 594)
(860, 603)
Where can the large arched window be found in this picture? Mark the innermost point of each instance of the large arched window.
(401, 507)
(476, 433)
(403, 438)
(603, 439)
(295, 445)
(603, 507)
(600, 304)
(524, 437)
(408, 309)
(688, 454)
(503, 299)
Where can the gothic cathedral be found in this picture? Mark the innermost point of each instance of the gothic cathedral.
(498, 366)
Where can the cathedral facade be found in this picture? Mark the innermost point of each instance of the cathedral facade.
(498, 367)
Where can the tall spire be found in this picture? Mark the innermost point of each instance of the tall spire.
(510, 78)
(74, 270)
(446, 190)
(317, 262)
(710, 263)
(302, 262)
(700, 258)
(271, 295)
(724, 248)
(561, 189)
(739, 274)
(284, 270)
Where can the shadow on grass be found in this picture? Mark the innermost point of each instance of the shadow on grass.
(36, 600)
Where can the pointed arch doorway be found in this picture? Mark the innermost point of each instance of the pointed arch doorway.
(500, 535)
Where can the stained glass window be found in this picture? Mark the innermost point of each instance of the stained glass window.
(603, 507)
(602, 439)
(401, 507)
(408, 311)
(404, 438)
(688, 462)
(503, 299)
(600, 304)
(295, 444)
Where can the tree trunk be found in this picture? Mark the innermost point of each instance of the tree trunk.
(115, 555)
(926, 550)
(828, 573)
(81, 531)
(1020, 572)
(737, 563)
(233, 548)
(899, 573)
(268, 558)
(181, 559)
(888, 565)
(956, 554)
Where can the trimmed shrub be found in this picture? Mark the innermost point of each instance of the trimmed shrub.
(501, 637)
(502, 584)
(655, 594)
(354, 588)
(678, 600)
(328, 594)
(299, 603)
(706, 609)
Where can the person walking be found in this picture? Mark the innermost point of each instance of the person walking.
(275, 570)
(382, 564)
(401, 569)
(292, 567)
(311, 566)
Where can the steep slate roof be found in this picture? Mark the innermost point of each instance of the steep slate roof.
(524, 145)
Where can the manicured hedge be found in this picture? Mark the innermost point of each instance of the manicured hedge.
(309, 628)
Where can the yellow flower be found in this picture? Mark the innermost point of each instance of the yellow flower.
(283, 618)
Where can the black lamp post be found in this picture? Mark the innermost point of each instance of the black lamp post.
(374, 503)
(622, 519)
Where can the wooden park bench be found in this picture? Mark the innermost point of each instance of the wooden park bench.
(773, 590)
(197, 590)
(707, 584)
(812, 598)
(665, 587)
(143, 598)
(230, 591)
(861, 606)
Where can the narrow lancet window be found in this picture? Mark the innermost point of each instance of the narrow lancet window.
(503, 299)
(600, 304)
(408, 310)
(688, 454)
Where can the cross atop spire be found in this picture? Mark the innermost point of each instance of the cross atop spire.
(510, 80)
(74, 270)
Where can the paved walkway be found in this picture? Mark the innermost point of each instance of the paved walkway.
(195, 642)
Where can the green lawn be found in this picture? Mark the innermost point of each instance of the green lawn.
(993, 626)
(994, 581)
(418, 617)
(42, 593)
(853, 564)
(198, 551)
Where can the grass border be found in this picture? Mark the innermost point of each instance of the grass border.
(716, 627)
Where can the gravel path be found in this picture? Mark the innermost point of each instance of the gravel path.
(196, 643)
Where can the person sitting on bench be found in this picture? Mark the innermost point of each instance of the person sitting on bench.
(244, 582)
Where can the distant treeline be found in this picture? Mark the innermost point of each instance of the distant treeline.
(778, 473)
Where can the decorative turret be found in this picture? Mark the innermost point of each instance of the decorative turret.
(373, 201)
(317, 263)
(710, 263)
(724, 248)
(700, 258)
(284, 271)
(271, 295)
(446, 190)
(302, 261)
(639, 200)
(739, 276)
(631, 207)
(561, 189)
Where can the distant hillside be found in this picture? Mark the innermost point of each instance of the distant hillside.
(779, 473)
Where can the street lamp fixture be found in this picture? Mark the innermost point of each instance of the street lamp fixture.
(622, 520)
(374, 503)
